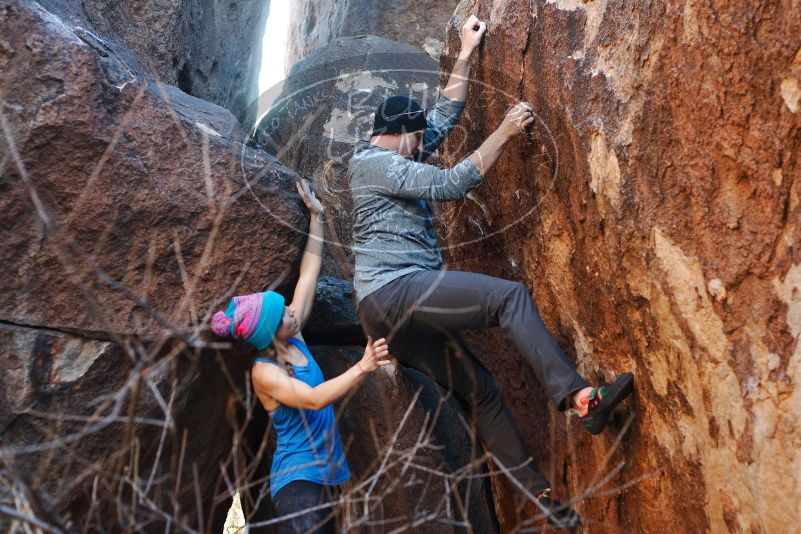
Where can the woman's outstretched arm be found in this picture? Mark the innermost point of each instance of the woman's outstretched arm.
(312, 260)
(273, 385)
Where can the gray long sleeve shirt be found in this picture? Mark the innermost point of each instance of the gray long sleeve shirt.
(393, 234)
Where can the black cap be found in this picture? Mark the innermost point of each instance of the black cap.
(399, 114)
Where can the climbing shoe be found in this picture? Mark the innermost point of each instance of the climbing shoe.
(602, 401)
(558, 515)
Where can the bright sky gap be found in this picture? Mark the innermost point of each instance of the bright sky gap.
(274, 45)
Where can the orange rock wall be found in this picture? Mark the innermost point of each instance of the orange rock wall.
(653, 212)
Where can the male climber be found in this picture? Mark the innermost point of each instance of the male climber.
(404, 295)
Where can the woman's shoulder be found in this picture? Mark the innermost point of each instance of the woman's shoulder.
(265, 376)
(264, 371)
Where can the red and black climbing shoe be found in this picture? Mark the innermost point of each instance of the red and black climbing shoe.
(558, 515)
(602, 400)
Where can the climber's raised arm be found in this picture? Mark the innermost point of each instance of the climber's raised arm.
(472, 32)
(516, 121)
(312, 259)
(445, 114)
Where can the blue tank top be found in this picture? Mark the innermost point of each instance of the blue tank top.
(309, 447)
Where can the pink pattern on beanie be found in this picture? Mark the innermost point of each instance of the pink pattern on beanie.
(246, 315)
(221, 324)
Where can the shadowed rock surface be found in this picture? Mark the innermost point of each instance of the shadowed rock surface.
(654, 215)
(130, 212)
(210, 49)
(327, 104)
(72, 455)
(315, 24)
(137, 177)
(334, 321)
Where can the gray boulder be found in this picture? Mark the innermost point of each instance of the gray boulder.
(418, 23)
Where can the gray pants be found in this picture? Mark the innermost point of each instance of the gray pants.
(422, 313)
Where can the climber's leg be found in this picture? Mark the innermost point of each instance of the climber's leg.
(453, 301)
(448, 360)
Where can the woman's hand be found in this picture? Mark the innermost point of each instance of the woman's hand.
(374, 355)
(307, 195)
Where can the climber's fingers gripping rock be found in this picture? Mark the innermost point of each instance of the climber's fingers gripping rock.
(308, 197)
(517, 119)
(472, 32)
(376, 355)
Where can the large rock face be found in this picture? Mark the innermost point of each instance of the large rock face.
(210, 49)
(317, 23)
(327, 104)
(654, 213)
(130, 212)
(141, 183)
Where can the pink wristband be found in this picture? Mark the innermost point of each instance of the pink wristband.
(359, 365)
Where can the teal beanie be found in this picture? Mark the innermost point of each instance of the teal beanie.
(252, 318)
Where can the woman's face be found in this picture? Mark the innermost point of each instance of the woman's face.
(289, 325)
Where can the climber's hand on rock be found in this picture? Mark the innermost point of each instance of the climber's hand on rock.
(375, 355)
(307, 195)
(517, 119)
(472, 32)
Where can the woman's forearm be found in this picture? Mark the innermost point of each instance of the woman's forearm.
(273, 383)
(313, 253)
(310, 265)
(332, 390)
